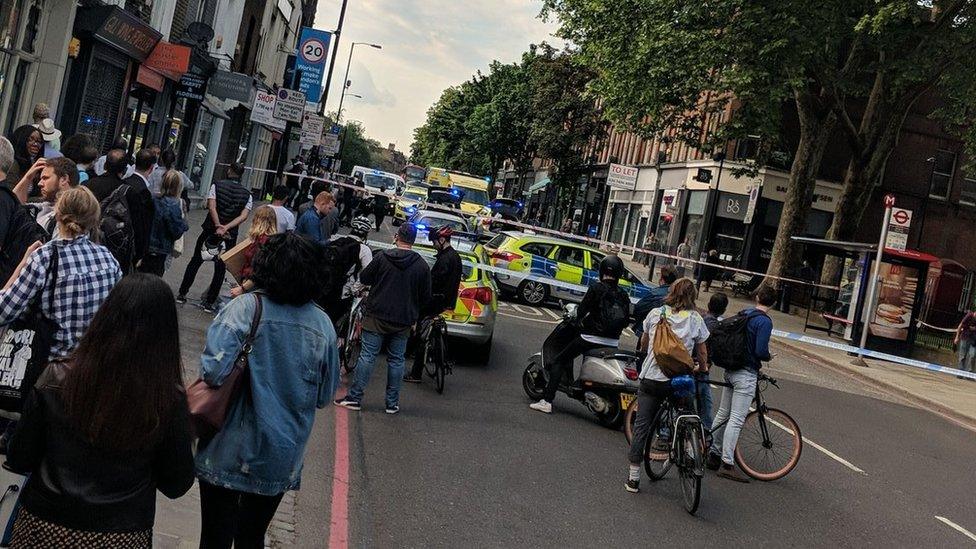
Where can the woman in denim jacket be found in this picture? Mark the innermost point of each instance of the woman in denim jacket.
(246, 468)
(168, 224)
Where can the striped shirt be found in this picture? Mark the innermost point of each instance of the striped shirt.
(86, 273)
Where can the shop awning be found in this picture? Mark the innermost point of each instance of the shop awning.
(214, 109)
(538, 186)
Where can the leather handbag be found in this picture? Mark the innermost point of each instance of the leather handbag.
(669, 351)
(209, 405)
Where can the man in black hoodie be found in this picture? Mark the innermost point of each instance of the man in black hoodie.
(399, 285)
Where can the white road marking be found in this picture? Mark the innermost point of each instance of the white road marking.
(825, 451)
(553, 314)
(956, 527)
(531, 311)
(522, 317)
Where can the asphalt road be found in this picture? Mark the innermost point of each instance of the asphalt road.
(475, 467)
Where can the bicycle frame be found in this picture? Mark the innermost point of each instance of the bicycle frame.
(757, 402)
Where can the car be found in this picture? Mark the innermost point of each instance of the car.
(473, 318)
(508, 208)
(554, 259)
(428, 219)
(412, 199)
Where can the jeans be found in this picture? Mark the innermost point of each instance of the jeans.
(559, 353)
(649, 399)
(704, 396)
(967, 355)
(213, 291)
(372, 344)
(734, 407)
(230, 517)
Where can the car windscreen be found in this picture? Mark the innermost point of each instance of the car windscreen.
(474, 196)
(431, 222)
(413, 196)
(382, 182)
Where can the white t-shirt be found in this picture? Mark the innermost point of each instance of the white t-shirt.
(212, 195)
(284, 217)
(690, 328)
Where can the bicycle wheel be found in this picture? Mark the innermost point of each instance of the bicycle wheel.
(350, 355)
(657, 449)
(690, 467)
(769, 445)
(440, 364)
(629, 418)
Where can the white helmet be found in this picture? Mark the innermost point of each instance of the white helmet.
(361, 226)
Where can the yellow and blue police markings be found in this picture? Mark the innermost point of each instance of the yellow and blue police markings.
(549, 268)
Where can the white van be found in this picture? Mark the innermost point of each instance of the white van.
(378, 180)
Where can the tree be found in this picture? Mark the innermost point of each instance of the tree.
(355, 147)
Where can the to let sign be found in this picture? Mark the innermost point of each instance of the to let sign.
(898, 227)
(289, 105)
(622, 177)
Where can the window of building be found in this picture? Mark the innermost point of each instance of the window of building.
(942, 170)
(967, 193)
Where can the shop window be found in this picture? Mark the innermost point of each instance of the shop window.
(967, 193)
(631, 224)
(32, 28)
(9, 19)
(618, 221)
(16, 93)
(942, 170)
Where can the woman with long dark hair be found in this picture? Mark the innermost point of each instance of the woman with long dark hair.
(28, 147)
(106, 428)
(246, 468)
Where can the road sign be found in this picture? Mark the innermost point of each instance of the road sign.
(753, 199)
(898, 228)
(889, 200)
(330, 144)
(262, 111)
(289, 105)
(311, 129)
(622, 177)
(313, 50)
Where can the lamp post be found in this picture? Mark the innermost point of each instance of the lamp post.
(345, 80)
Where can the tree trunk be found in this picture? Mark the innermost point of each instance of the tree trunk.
(815, 130)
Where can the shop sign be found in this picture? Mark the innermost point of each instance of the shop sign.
(732, 206)
(289, 105)
(824, 197)
(150, 78)
(169, 60)
(312, 126)
(127, 33)
(192, 86)
(622, 177)
(670, 201)
(898, 226)
(262, 111)
(231, 85)
(313, 49)
(753, 200)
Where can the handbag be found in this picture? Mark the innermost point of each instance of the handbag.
(11, 485)
(209, 405)
(180, 242)
(669, 351)
(25, 345)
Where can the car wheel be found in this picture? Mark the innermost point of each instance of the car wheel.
(397, 222)
(533, 293)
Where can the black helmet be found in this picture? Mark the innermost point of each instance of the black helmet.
(611, 266)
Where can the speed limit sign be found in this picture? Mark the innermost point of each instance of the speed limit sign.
(313, 50)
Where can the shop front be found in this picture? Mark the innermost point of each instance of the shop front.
(628, 218)
(102, 82)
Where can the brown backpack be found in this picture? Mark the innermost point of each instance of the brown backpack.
(669, 351)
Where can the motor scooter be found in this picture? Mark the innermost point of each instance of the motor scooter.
(607, 381)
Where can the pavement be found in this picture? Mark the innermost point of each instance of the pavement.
(475, 467)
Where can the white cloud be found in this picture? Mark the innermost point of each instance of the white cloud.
(428, 45)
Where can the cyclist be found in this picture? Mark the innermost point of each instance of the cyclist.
(602, 315)
(357, 235)
(689, 326)
(445, 278)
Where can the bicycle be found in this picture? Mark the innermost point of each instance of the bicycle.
(351, 344)
(435, 351)
(762, 453)
(686, 450)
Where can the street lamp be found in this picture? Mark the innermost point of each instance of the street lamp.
(345, 80)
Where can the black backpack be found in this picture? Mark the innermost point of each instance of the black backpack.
(118, 234)
(22, 231)
(613, 316)
(728, 344)
(341, 257)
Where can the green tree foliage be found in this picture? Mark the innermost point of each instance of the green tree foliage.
(355, 147)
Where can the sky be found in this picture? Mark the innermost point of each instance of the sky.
(428, 45)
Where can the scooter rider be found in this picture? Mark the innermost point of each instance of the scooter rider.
(445, 278)
(602, 315)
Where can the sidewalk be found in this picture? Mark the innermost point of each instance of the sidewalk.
(944, 394)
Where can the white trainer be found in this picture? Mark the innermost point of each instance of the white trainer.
(542, 406)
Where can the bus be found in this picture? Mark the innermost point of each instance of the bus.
(474, 190)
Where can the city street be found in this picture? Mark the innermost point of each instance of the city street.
(476, 467)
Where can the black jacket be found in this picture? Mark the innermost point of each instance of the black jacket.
(445, 277)
(399, 282)
(142, 209)
(80, 486)
(591, 310)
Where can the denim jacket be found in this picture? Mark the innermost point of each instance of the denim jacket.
(168, 225)
(294, 369)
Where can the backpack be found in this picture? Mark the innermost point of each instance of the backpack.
(22, 231)
(669, 351)
(341, 257)
(728, 344)
(614, 313)
(118, 234)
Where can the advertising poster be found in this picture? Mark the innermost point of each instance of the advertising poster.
(896, 299)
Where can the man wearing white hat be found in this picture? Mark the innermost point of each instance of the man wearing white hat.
(52, 138)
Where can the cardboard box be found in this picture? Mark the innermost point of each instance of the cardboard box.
(234, 259)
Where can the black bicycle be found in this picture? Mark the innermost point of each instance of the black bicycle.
(769, 446)
(684, 447)
(434, 348)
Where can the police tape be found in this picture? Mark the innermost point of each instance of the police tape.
(873, 354)
(559, 234)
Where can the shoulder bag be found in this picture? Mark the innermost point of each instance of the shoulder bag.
(669, 351)
(209, 405)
